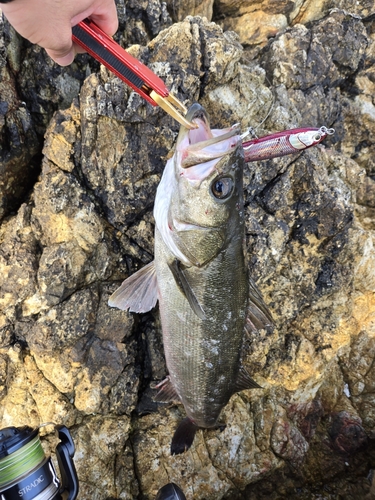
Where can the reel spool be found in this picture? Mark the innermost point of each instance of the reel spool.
(25, 471)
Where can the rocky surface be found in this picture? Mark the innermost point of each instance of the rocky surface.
(257, 21)
(68, 238)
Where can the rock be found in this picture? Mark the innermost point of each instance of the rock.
(254, 28)
(18, 139)
(180, 9)
(347, 433)
(32, 88)
(140, 21)
(255, 21)
(108, 470)
(87, 224)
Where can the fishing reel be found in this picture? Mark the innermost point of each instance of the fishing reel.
(25, 471)
(170, 492)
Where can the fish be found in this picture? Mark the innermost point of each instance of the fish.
(208, 302)
(170, 492)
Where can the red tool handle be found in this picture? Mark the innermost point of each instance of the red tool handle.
(103, 48)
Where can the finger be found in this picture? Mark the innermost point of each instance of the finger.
(63, 58)
(108, 21)
(79, 50)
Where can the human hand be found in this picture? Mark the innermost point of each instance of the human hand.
(48, 23)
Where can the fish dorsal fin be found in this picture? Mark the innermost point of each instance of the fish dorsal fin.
(185, 288)
(258, 314)
(167, 393)
(138, 293)
(244, 381)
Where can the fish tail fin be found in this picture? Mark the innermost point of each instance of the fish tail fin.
(183, 437)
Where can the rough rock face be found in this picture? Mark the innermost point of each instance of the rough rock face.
(18, 138)
(65, 356)
(33, 87)
(255, 21)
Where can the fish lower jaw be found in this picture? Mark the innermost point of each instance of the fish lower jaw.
(181, 226)
(186, 226)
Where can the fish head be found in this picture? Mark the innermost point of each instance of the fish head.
(206, 203)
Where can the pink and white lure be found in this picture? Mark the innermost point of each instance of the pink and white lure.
(284, 143)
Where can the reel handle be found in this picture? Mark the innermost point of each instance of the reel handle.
(65, 453)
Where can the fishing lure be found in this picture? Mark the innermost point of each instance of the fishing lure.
(283, 143)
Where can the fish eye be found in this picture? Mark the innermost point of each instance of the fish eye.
(222, 188)
(317, 137)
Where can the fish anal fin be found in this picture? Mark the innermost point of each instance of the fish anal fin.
(244, 381)
(167, 393)
(183, 437)
(258, 315)
(185, 288)
(138, 293)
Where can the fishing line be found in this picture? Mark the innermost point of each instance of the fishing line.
(252, 130)
(21, 461)
(25, 470)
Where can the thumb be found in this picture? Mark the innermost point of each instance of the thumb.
(62, 57)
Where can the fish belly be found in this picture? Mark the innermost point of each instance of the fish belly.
(203, 355)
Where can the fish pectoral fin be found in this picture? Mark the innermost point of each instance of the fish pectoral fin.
(183, 437)
(185, 288)
(167, 393)
(244, 381)
(258, 315)
(138, 293)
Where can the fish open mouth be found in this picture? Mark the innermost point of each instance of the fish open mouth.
(202, 144)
